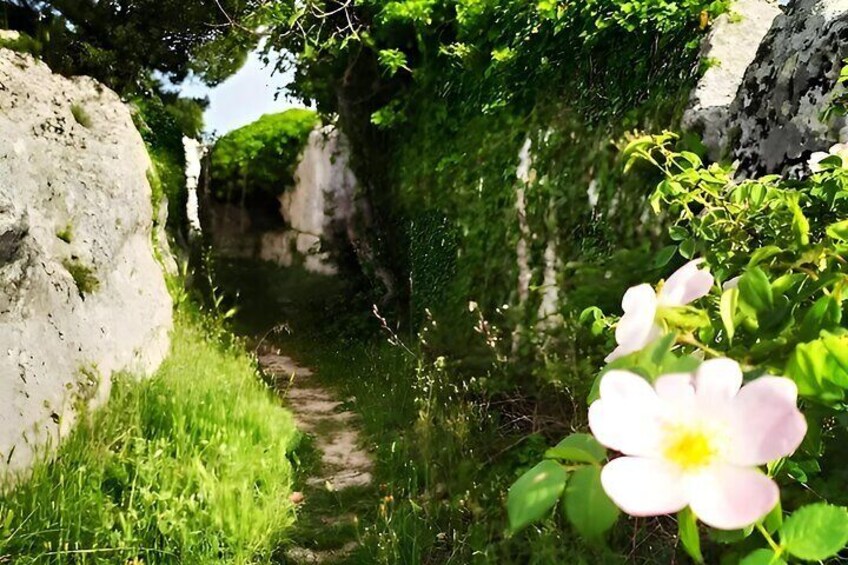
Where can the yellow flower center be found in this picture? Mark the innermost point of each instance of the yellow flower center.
(689, 448)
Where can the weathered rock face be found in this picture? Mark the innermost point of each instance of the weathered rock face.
(775, 119)
(728, 50)
(81, 295)
(314, 215)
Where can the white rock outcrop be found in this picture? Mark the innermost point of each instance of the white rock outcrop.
(314, 218)
(318, 207)
(727, 51)
(777, 119)
(763, 102)
(82, 296)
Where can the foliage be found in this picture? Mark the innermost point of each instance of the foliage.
(190, 465)
(777, 248)
(163, 120)
(443, 450)
(261, 157)
(121, 44)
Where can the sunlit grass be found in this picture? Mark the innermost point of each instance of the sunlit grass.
(189, 466)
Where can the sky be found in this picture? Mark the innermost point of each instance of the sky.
(243, 98)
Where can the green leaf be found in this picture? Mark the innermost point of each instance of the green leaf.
(800, 224)
(824, 314)
(663, 256)
(677, 233)
(762, 557)
(774, 519)
(729, 304)
(685, 317)
(690, 537)
(533, 495)
(687, 248)
(755, 290)
(587, 506)
(817, 371)
(582, 448)
(730, 536)
(764, 254)
(839, 230)
(815, 532)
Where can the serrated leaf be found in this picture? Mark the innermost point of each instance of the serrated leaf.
(582, 448)
(533, 495)
(815, 532)
(587, 506)
(824, 314)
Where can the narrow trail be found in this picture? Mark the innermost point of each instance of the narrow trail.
(342, 475)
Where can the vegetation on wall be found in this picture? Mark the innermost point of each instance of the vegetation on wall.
(261, 157)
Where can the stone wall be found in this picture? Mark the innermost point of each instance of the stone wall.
(82, 295)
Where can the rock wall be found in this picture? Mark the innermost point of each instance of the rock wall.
(82, 296)
(776, 120)
(776, 117)
(313, 217)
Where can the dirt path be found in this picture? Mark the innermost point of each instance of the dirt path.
(327, 518)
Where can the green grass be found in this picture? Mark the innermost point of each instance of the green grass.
(190, 466)
(445, 451)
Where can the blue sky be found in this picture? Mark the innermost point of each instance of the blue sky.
(242, 98)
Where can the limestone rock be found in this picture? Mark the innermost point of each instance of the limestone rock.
(727, 51)
(314, 215)
(321, 203)
(81, 294)
(776, 120)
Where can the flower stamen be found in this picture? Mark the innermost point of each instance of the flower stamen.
(689, 448)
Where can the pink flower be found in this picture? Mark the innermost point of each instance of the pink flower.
(696, 440)
(638, 326)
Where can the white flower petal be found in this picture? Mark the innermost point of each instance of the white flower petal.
(730, 498)
(627, 415)
(718, 380)
(675, 388)
(686, 285)
(639, 298)
(765, 423)
(636, 328)
(644, 487)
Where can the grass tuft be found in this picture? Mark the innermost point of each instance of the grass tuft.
(189, 466)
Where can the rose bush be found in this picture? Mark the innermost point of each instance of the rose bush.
(687, 397)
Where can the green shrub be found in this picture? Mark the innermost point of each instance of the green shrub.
(262, 156)
(189, 466)
(162, 121)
